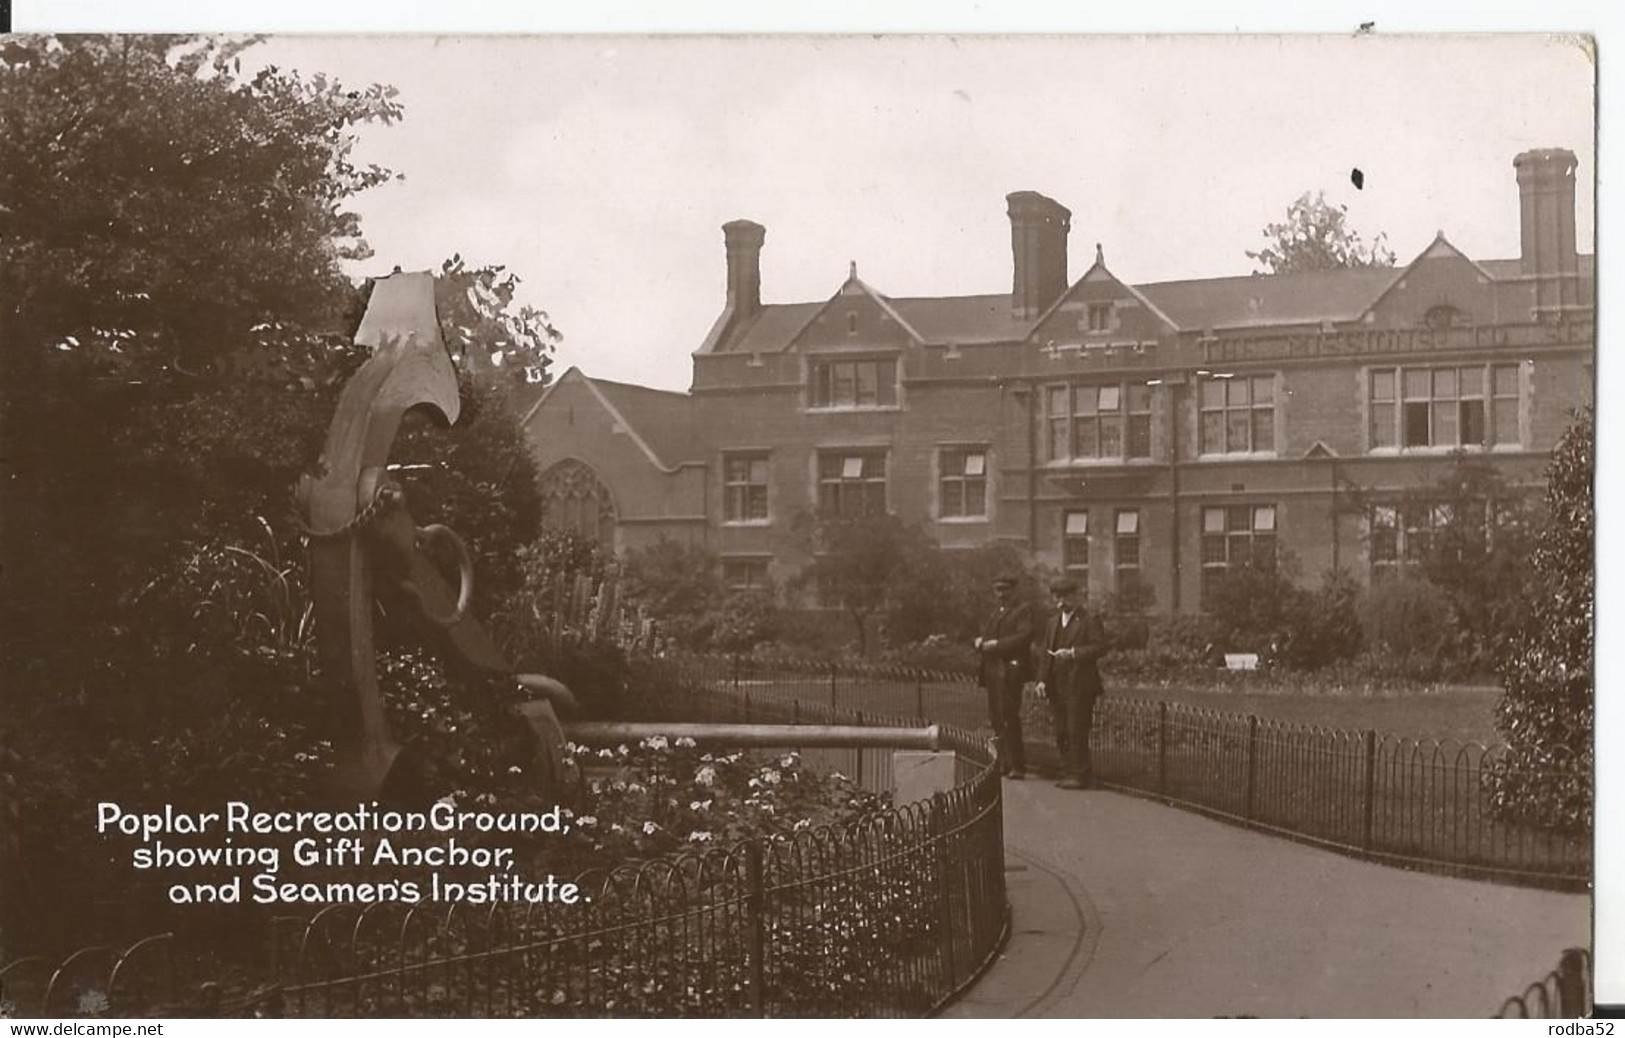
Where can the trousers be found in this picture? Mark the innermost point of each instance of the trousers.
(1004, 711)
(1074, 721)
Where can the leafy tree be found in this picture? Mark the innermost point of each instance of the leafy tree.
(176, 330)
(860, 563)
(1316, 236)
(1478, 553)
(949, 594)
(1546, 713)
(678, 584)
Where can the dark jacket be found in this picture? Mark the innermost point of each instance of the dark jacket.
(1011, 630)
(1080, 675)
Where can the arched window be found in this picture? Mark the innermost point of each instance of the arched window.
(574, 499)
(1443, 316)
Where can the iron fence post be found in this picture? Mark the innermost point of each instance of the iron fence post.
(1162, 747)
(736, 673)
(832, 670)
(755, 927)
(939, 842)
(1368, 786)
(860, 753)
(1252, 764)
(1571, 985)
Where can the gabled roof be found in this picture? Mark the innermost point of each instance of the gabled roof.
(1440, 248)
(1244, 301)
(664, 418)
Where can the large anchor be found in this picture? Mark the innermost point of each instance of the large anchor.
(360, 529)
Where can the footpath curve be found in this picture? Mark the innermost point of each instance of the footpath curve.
(1126, 908)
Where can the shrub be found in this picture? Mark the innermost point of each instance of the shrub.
(1324, 626)
(1546, 713)
(1407, 621)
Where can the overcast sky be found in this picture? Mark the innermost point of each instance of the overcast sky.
(601, 169)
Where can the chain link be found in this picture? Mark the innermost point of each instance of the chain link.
(387, 496)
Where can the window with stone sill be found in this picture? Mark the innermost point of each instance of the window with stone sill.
(1098, 422)
(962, 484)
(744, 487)
(852, 483)
(854, 383)
(1238, 414)
(1471, 405)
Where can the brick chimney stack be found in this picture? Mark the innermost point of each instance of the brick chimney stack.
(1546, 200)
(744, 242)
(1038, 229)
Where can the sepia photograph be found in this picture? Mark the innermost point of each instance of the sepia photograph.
(723, 526)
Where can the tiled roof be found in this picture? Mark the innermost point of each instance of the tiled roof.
(662, 418)
(771, 329)
(1266, 299)
(964, 319)
(1246, 301)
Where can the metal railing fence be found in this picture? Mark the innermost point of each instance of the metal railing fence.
(889, 916)
(1414, 802)
(1564, 993)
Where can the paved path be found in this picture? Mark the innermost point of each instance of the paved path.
(1126, 908)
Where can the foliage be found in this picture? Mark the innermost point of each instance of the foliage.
(1547, 707)
(678, 584)
(1478, 555)
(745, 620)
(177, 326)
(1251, 604)
(1259, 608)
(660, 796)
(861, 563)
(1324, 625)
(949, 593)
(1408, 621)
(172, 204)
(1316, 236)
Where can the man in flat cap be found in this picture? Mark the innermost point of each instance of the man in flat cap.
(1005, 645)
(1074, 640)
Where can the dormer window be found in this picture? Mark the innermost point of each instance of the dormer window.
(1100, 317)
(854, 383)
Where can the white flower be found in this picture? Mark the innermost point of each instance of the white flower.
(699, 805)
(606, 753)
(805, 823)
(787, 761)
(698, 836)
(655, 742)
(515, 769)
(706, 776)
(634, 787)
(684, 742)
(771, 778)
(615, 827)
(755, 783)
(587, 821)
(447, 801)
(650, 828)
(618, 786)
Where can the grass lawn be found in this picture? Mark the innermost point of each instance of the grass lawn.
(1458, 713)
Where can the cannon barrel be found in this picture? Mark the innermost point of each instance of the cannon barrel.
(793, 736)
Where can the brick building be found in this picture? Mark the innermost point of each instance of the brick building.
(1142, 436)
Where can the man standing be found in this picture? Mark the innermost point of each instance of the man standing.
(1074, 641)
(1006, 647)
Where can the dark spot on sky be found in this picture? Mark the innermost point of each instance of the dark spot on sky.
(1358, 178)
